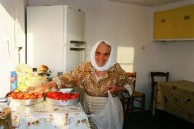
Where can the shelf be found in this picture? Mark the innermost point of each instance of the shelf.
(173, 40)
(77, 45)
(78, 42)
(77, 49)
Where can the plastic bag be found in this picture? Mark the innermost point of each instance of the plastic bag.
(107, 118)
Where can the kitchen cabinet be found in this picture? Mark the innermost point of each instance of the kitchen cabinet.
(50, 31)
(174, 24)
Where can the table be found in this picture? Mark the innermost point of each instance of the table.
(46, 116)
(177, 98)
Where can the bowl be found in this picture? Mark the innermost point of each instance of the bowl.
(68, 102)
(27, 102)
(62, 98)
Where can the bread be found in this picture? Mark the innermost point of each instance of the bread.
(43, 69)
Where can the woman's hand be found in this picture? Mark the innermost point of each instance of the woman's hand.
(43, 88)
(114, 90)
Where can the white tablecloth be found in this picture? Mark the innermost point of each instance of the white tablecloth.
(46, 116)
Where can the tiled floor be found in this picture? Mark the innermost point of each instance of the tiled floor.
(162, 120)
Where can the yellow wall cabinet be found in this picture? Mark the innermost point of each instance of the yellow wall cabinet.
(174, 24)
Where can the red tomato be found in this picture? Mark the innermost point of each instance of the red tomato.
(74, 95)
(39, 95)
(20, 95)
(63, 96)
(26, 96)
(32, 96)
(49, 94)
(13, 95)
(54, 95)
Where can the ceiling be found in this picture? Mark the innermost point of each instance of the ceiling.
(150, 3)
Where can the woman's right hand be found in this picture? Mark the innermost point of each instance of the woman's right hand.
(43, 88)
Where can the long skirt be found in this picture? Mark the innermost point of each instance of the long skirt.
(93, 104)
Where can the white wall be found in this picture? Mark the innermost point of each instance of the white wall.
(11, 36)
(130, 26)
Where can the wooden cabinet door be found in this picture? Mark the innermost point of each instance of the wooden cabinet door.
(184, 19)
(174, 24)
(163, 24)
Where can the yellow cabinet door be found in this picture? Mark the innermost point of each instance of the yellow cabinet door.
(163, 24)
(174, 24)
(184, 20)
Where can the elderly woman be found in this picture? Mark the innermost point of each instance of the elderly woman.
(95, 78)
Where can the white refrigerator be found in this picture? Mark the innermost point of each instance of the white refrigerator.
(55, 37)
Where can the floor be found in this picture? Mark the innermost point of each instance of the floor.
(162, 120)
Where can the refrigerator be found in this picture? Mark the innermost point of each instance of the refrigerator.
(55, 37)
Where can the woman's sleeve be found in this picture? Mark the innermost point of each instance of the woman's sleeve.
(126, 82)
(58, 82)
(69, 79)
(129, 89)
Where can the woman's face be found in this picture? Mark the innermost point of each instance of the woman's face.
(102, 54)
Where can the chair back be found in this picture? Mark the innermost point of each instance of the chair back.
(158, 76)
(134, 102)
(155, 78)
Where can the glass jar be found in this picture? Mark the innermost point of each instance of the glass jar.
(5, 114)
(5, 118)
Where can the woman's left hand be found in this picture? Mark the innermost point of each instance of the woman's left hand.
(114, 90)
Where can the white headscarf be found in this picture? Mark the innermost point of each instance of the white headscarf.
(110, 61)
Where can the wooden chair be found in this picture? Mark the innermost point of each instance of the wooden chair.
(155, 78)
(135, 102)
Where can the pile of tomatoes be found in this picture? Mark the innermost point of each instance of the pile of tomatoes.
(62, 96)
(25, 95)
(53, 95)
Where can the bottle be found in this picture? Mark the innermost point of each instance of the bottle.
(13, 81)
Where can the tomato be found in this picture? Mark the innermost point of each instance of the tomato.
(32, 96)
(39, 95)
(49, 94)
(74, 95)
(13, 95)
(26, 96)
(20, 95)
(62, 96)
(53, 95)
(67, 96)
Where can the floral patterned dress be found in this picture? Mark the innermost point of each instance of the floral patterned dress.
(85, 79)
